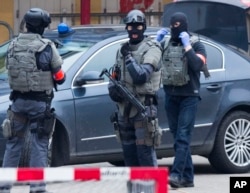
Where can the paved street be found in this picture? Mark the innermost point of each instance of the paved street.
(206, 178)
(206, 181)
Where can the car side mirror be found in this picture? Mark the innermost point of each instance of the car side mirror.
(90, 77)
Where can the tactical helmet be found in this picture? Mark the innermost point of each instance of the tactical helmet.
(37, 17)
(135, 16)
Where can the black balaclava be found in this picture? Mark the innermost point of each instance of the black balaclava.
(137, 32)
(175, 31)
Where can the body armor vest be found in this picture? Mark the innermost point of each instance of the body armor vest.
(24, 76)
(138, 53)
(141, 56)
(175, 69)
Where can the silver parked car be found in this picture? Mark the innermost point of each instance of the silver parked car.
(84, 133)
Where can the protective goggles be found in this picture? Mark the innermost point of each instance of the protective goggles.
(134, 19)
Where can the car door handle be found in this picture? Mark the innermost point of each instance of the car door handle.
(214, 87)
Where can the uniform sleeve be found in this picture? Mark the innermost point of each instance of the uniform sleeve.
(44, 59)
(196, 56)
(56, 60)
(153, 56)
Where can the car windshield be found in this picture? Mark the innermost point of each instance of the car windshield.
(69, 48)
(218, 21)
(71, 51)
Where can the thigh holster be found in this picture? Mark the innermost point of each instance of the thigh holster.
(152, 131)
(43, 124)
(9, 124)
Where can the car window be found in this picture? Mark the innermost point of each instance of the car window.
(221, 22)
(3, 50)
(214, 57)
(104, 58)
(67, 48)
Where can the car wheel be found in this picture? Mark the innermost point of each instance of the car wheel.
(231, 153)
(59, 151)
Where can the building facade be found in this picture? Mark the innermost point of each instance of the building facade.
(69, 11)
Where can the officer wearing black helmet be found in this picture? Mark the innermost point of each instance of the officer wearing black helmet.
(137, 67)
(34, 67)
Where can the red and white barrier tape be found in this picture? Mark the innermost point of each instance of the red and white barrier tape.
(160, 175)
(70, 173)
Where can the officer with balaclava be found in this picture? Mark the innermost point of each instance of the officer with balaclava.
(184, 56)
(34, 68)
(137, 68)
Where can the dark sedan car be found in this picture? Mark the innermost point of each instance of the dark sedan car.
(83, 132)
(226, 21)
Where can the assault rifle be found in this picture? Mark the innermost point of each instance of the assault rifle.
(125, 92)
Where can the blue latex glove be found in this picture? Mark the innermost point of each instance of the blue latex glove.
(161, 33)
(185, 38)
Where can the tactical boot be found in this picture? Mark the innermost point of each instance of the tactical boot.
(175, 182)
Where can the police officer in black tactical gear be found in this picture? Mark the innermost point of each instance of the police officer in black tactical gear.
(184, 57)
(137, 68)
(34, 67)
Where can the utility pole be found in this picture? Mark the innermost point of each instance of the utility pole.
(85, 12)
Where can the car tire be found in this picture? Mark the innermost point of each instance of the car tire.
(59, 147)
(231, 152)
(54, 155)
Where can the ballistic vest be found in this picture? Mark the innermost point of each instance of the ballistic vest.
(138, 53)
(174, 66)
(24, 76)
(141, 55)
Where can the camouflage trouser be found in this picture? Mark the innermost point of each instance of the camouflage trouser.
(39, 145)
(136, 139)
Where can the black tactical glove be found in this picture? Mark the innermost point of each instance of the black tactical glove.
(113, 93)
(125, 50)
